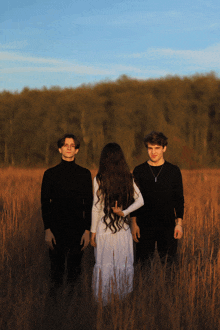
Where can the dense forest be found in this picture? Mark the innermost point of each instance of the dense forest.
(186, 110)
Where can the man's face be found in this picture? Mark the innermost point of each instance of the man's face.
(68, 150)
(155, 153)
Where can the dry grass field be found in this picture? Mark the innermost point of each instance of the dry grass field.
(187, 297)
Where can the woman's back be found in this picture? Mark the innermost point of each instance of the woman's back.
(111, 235)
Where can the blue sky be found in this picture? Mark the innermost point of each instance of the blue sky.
(72, 42)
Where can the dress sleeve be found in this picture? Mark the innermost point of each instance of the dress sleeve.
(96, 208)
(138, 201)
(138, 180)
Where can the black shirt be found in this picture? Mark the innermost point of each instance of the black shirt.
(66, 199)
(162, 190)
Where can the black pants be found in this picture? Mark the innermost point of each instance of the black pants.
(163, 239)
(65, 253)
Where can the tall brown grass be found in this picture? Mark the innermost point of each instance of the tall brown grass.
(185, 297)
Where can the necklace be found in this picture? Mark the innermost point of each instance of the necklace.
(155, 176)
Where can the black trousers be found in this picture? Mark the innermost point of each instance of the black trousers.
(163, 239)
(65, 254)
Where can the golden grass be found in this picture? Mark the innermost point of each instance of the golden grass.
(186, 297)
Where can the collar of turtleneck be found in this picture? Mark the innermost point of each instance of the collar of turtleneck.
(66, 163)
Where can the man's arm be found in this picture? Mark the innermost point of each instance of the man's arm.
(178, 230)
(178, 197)
(50, 239)
(135, 230)
(85, 239)
(46, 200)
(87, 201)
(46, 210)
(179, 205)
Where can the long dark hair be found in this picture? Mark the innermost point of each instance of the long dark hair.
(115, 184)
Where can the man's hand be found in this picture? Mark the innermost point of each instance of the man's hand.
(49, 238)
(117, 210)
(178, 232)
(92, 240)
(135, 230)
(85, 239)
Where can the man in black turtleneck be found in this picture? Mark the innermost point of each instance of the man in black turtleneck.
(159, 221)
(66, 198)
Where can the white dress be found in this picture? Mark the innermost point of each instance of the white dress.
(113, 271)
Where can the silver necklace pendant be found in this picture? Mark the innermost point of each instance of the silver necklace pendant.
(155, 177)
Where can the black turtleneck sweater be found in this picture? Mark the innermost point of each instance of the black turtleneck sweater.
(66, 199)
(163, 199)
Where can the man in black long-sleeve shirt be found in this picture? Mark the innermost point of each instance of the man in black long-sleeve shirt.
(159, 221)
(66, 198)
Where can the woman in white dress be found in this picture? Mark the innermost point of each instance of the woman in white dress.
(115, 197)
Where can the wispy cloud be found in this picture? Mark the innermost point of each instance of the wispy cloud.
(206, 58)
(155, 62)
(16, 63)
(15, 57)
(78, 69)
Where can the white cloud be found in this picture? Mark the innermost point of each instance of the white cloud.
(16, 63)
(207, 58)
(8, 56)
(51, 65)
(79, 69)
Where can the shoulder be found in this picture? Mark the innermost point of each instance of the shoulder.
(171, 166)
(52, 170)
(173, 170)
(140, 168)
(82, 170)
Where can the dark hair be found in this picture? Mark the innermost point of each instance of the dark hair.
(155, 138)
(115, 184)
(61, 141)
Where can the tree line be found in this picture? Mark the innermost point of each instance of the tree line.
(186, 110)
